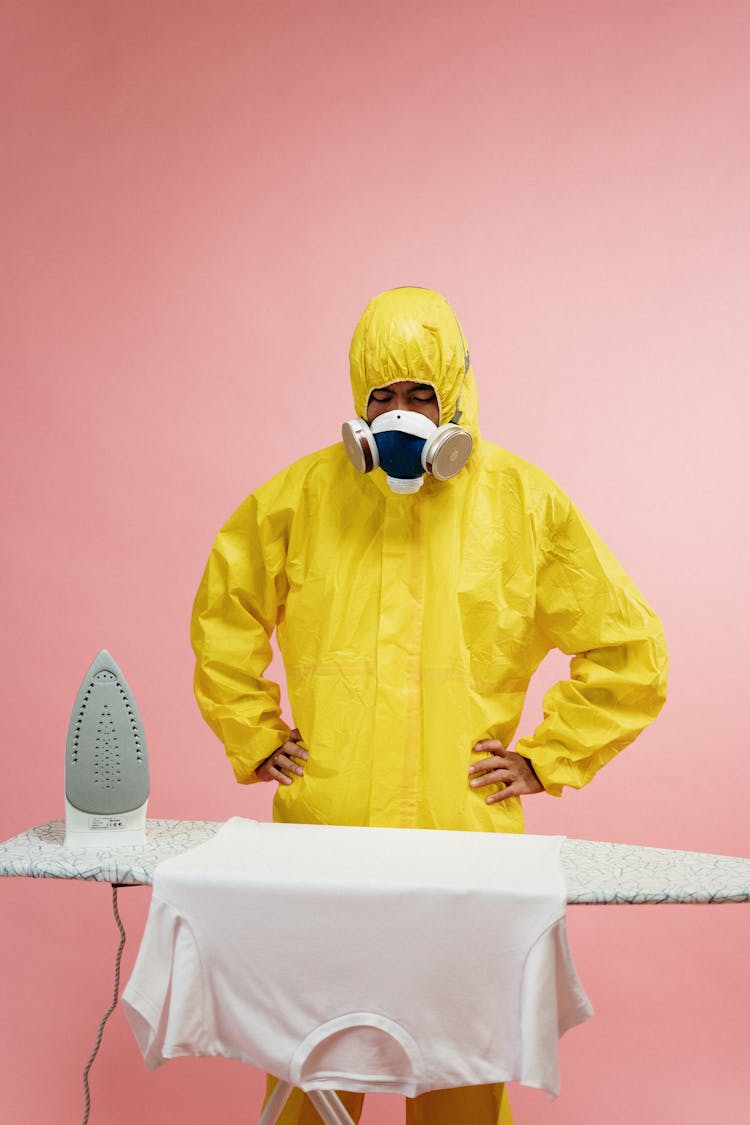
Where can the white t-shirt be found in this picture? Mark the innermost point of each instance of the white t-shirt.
(360, 958)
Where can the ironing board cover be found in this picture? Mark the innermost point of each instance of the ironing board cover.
(360, 959)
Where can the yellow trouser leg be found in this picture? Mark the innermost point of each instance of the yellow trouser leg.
(299, 1110)
(465, 1105)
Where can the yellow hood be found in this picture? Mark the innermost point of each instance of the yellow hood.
(414, 334)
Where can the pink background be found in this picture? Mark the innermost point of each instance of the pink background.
(198, 200)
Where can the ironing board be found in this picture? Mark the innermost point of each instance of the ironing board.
(596, 872)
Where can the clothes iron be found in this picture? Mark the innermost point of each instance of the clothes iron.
(106, 763)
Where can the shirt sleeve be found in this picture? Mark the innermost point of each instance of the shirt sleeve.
(164, 998)
(590, 609)
(235, 612)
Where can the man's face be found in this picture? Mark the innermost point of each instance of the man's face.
(404, 395)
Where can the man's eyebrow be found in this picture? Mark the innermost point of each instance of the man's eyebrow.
(421, 387)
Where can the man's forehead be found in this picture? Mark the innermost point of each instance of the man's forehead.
(407, 385)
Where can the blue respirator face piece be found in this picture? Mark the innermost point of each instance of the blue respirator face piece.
(406, 445)
(400, 454)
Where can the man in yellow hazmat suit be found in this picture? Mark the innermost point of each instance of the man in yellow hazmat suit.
(412, 603)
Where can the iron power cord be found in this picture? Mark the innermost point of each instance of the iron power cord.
(110, 1009)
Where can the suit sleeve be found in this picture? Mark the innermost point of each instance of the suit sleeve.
(589, 608)
(235, 612)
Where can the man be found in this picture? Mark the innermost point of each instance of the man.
(412, 608)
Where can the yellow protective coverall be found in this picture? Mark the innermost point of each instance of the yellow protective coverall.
(410, 625)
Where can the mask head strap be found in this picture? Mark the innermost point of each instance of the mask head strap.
(467, 364)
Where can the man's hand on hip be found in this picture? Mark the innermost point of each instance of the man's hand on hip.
(288, 759)
(503, 767)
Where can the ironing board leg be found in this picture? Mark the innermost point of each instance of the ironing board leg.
(275, 1103)
(326, 1102)
(328, 1105)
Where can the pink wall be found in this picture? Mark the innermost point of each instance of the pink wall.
(198, 200)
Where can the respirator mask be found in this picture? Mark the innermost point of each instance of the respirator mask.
(406, 445)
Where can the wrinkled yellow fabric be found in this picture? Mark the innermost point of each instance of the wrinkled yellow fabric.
(410, 625)
(413, 333)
